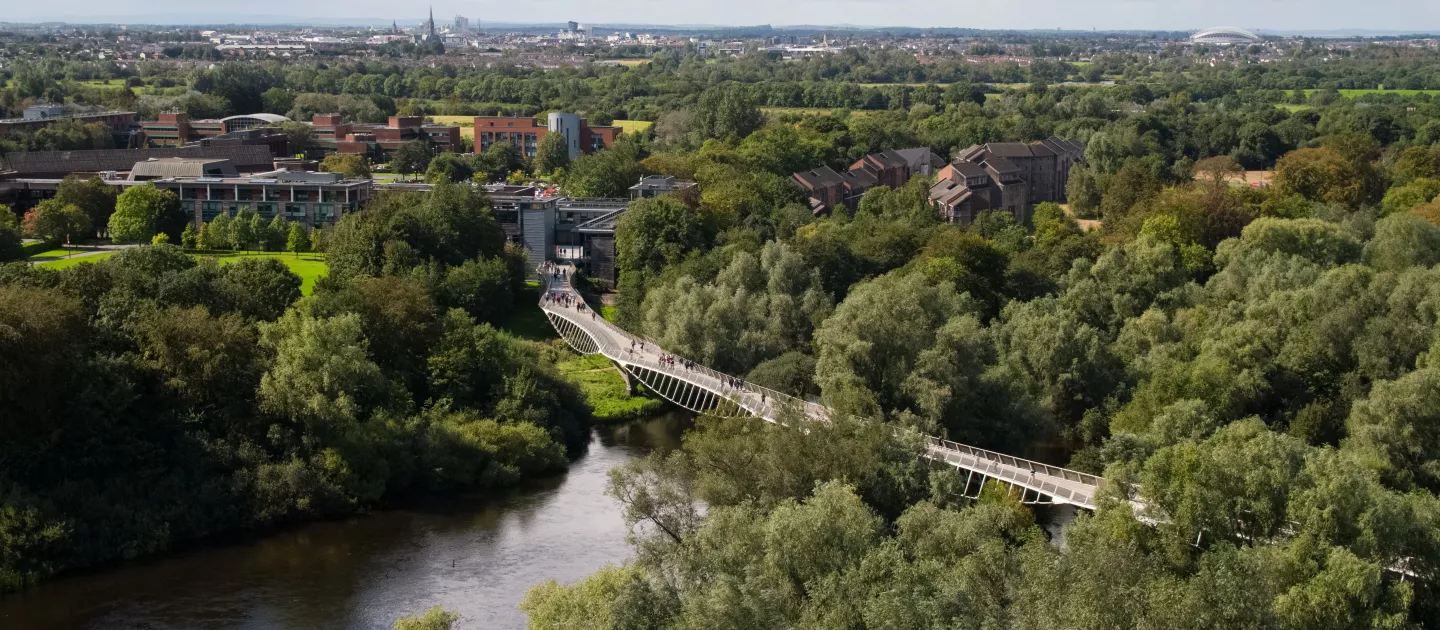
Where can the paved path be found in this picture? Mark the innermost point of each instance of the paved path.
(699, 388)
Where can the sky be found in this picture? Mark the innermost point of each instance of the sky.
(1179, 15)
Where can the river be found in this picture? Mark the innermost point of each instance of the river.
(474, 555)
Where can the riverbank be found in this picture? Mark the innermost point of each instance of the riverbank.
(473, 554)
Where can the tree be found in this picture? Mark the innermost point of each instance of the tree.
(9, 234)
(217, 233)
(54, 221)
(499, 162)
(869, 346)
(242, 230)
(436, 618)
(160, 238)
(727, 112)
(278, 100)
(277, 233)
(658, 231)
(93, 196)
(188, 238)
(449, 167)
(1320, 174)
(411, 157)
(552, 155)
(298, 136)
(141, 211)
(353, 165)
(607, 173)
(297, 241)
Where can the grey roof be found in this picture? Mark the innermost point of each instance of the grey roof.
(819, 177)
(269, 118)
(183, 167)
(970, 169)
(244, 157)
(920, 156)
(1009, 149)
(889, 158)
(1001, 165)
(861, 178)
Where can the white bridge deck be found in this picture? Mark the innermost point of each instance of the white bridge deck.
(701, 389)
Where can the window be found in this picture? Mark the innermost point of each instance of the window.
(265, 209)
(209, 210)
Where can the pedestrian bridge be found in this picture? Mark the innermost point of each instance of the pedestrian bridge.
(703, 390)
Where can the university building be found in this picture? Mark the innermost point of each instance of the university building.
(334, 135)
(1009, 176)
(526, 133)
(828, 189)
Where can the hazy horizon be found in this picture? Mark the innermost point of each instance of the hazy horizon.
(1400, 16)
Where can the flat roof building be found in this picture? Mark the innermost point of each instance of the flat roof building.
(527, 132)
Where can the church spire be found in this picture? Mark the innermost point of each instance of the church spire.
(432, 21)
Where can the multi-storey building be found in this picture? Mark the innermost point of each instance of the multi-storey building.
(829, 189)
(333, 135)
(309, 198)
(174, 129)
(526, 133)
(1009, 176)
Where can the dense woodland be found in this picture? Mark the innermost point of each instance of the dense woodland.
(150, 399)
(1257, 364)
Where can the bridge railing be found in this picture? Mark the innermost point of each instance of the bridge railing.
(1010, 460)
(771, 399)
(990, 463)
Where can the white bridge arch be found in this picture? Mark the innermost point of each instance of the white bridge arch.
(703, 390)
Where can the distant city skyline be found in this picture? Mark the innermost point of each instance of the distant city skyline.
(1274, 15)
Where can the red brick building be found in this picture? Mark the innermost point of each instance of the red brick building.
(333, 135)
(527, 132)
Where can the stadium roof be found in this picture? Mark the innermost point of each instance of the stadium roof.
(1225, 34)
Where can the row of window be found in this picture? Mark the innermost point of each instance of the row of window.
(211, 209)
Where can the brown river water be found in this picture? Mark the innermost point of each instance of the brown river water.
(475, 555)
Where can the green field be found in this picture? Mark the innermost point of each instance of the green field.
(56, 254)
(604, 389)
(818, 111)
(1355, 93)
(310, 267)
(632, 126)
(62, 263)
(526, 320)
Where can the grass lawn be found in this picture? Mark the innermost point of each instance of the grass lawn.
(310, 267)
(608, 312)
(56, 254)
(526, 320)
(62, 263)
(776, 111)
(465, 123)
(632, 126)
(874, 85)
(604, 389)
(1355, 93)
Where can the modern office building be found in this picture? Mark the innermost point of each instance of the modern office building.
(334, 135)
(527, 132)
(174, 129)
(656, 185)
(309, 198)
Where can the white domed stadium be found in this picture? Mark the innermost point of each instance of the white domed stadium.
(1225, 35)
